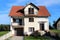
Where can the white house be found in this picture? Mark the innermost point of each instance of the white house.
(29, 18)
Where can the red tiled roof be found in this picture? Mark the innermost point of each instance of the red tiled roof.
(42, 11)
(14, 10)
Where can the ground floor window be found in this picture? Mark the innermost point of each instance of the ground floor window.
(31, 29)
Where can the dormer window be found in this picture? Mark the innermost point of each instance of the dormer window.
(31, 11)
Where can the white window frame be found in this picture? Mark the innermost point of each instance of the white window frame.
(31, 29)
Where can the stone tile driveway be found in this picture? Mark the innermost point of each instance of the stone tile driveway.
(16, 38)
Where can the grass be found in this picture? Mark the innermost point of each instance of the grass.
(3, 32)
(42, 37)
(55, 31)
(34, 38)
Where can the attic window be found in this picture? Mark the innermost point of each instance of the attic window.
(31, 11)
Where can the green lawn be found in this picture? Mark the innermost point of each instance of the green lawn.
(55, 31)
(40, 37)
(34, 38)
(3, 32)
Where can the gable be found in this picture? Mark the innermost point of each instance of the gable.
(26, 10)
(58, 21)
(33, 6)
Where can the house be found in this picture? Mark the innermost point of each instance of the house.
(29, 18)
(57, 24)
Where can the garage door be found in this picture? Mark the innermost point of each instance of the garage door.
(19, 31)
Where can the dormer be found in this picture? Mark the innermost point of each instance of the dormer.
(31, 9)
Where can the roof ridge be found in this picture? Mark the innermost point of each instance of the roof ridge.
(42, 11)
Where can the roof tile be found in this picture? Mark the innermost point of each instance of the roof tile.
(42, 11)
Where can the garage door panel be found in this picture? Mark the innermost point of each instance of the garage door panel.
(19, 31)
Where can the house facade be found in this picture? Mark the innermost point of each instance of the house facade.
(57, 24)
(29, 18)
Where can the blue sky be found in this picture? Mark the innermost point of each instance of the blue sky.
(53, 7)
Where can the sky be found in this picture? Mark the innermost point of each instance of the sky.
(53, 6)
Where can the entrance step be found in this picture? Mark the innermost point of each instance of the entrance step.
(42, 32)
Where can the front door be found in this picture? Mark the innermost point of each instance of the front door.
(41, 26)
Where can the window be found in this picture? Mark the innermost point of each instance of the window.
(14, 20)
(17, 20)
(31, 19)
(31, 29)
(20, 21)
(58, 25)
(31, 10)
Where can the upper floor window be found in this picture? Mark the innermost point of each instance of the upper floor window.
(17, 20)
(31, 19)
(14, 20)
(31, 11)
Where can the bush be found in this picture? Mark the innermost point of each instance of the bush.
(35, 34)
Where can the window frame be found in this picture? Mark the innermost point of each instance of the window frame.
(31, 19)
(42, 26)
(17, 20)
(14, 20)
(31, 29)
(31, 10)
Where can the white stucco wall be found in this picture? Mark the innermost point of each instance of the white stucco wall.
(11, 28)
(29, 6)
(35, 24)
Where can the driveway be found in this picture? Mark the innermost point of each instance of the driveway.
(16, 38)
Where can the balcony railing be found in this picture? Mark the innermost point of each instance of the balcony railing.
(16, 25)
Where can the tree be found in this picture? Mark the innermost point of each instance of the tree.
(50, 27)
(4, 27)
(54, 25)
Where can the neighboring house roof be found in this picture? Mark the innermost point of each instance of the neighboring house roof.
(57, 20)
(15, 11)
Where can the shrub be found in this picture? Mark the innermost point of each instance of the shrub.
(35, 34)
